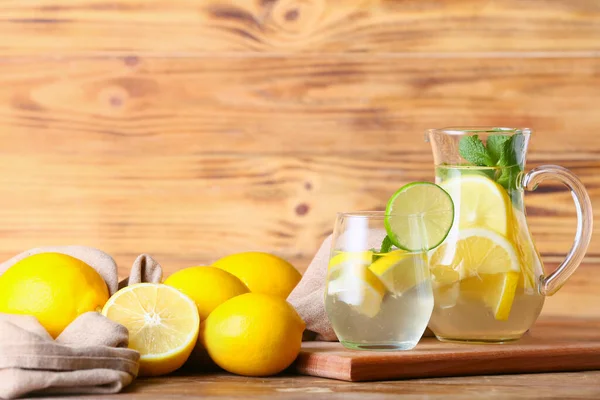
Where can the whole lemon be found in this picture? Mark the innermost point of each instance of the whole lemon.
(253, 334)
(262, 272)
(207, 286)
(55, 288)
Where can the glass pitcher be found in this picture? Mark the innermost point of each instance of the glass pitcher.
(488, 279)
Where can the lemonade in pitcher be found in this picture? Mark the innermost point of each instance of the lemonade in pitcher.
(487, 277)
(485, 273)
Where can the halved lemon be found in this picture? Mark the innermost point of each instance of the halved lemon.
(400, 271)
(163, 324)
(480, 203)
(485, 263)
(356, 285)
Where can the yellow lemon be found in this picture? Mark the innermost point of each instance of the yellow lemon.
(55, 288)
(207, 286)
(343, 258)
(253, 334)
(400, 271)
(480, 203)
(476, 252)
(526, 251)
(351, 281)
(163, 325)
(485, 263)
(496, 290)
(262, 272)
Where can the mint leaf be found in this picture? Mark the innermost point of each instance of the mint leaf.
(511, 150)
(471, 148)
(495, 146)
(386, 245)
(508, 178)
(508, 155)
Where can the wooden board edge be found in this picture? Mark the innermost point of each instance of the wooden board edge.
(312, 364)
(573, 358)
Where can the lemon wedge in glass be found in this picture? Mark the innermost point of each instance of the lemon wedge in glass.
(353, 283)
(400, 271)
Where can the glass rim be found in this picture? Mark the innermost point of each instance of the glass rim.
(490, 130)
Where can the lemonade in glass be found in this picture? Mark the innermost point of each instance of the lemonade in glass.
(378, 293)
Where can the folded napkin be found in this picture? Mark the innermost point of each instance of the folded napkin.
(89, 356)
(308, 297)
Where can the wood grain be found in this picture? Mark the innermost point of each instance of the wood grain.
(190, 159)
(560, 386)
(579, 295)
(550, 346)
(193, 209)
(184, 27)
(313, 105)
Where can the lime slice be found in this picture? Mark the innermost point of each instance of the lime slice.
(419, 216)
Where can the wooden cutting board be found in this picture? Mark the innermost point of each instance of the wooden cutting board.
(551, 345)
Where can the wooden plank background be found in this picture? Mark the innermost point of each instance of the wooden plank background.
(193, 129)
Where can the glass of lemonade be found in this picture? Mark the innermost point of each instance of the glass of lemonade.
(378, 297)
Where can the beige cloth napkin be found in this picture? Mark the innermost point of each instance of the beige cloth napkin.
(308, 297)
(89, 357)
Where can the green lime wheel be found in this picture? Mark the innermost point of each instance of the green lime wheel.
(419, 216)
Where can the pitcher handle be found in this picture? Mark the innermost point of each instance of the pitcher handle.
(530, 181)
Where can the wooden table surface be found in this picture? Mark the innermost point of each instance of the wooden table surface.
(582, 385)
(221, 385)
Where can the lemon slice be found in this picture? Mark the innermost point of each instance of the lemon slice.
(497, 291)
(446, 281)
(526, 251)
(400, 271)
(477, 251)
(344, 258)
(163, 324)
(480, 203)
(477, 256)
(356, 285)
